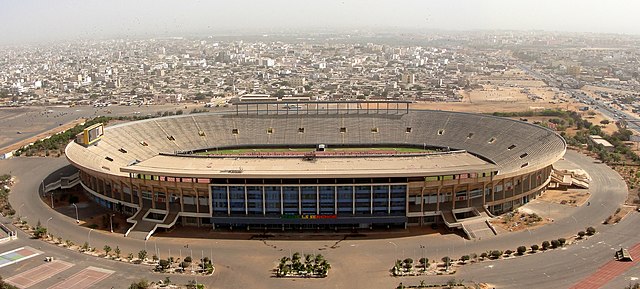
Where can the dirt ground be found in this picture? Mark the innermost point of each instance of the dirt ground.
(516, 221)
(511, 91)
(572, 197)
(597, 118)
(619, 214)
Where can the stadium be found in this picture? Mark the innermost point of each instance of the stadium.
(315, 167)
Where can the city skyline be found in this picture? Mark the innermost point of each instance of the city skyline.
(35, 21)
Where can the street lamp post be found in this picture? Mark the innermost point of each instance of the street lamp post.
(111, 221)
(396, 249)
(52, 200)
(89, 238)
(20, 210)
(77, 219)
(50, 218)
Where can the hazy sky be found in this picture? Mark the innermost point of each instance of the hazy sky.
(44, 20)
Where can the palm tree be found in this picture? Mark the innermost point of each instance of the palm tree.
(295, 257)
(308, 263)
(319, 258)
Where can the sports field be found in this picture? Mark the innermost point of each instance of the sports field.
(240, 151)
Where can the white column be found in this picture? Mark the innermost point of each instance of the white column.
(264, 205)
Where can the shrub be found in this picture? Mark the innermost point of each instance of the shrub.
(163, 265)
(591, 231)
(581, 234)
(534, 248)
(545, 245)
(142, 284)
(465, 258)
(555, 244)
(484, 255)
(562, 241)
(522, 250)
(508, 252)
(496, 254)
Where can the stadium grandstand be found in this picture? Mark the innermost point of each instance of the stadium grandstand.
(317, 168)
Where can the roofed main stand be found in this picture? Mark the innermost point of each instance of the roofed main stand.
(397, 107)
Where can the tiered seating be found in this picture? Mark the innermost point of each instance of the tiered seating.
(540, 145)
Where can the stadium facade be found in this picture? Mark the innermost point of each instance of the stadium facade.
(461, 165)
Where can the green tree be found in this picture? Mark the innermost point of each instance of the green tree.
(408, 263)
(142, 255)
(39, 232)
(447, 262)
(117, 251)
(106, 249)
(424, 262)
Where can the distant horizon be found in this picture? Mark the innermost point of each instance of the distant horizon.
(30, 21)
(307, 31)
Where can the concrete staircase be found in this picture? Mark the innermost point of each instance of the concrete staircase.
(476, 227)
(142, 228)
(479, 228)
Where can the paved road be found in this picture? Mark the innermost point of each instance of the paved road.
(247, 263)
(124, 275)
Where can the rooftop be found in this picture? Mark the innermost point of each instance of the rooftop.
(453, 163)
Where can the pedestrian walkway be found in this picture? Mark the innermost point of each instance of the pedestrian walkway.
(608, 272)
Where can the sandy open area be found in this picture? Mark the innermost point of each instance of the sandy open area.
(570, 197)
